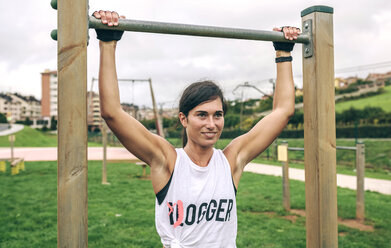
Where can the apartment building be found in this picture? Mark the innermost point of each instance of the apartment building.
(18, 107)
(9, 108)
(30, 107)
(132, 110)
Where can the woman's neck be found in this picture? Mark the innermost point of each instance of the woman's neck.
(199, 155)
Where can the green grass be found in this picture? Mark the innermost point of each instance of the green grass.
(29, 205)
(382, 100)
(29, 137)
(377, 154)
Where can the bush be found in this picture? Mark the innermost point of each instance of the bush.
(44, 128)
(3, 118)
(367, 115)
(372, 93)
(231, 134)
(231, 120)
(298, 99)
(350, 89)
(148, 124)
(365, 131)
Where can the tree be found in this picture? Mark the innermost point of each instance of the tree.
(28, 122)
(53, 124)
(297, 118)
(231, 120)
(170, 122)
(3, 118)
(148, 124)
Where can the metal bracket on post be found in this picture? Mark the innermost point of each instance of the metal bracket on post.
(308, 48)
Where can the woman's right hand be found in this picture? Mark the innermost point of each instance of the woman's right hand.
(109, 18)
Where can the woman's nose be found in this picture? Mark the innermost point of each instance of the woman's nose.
(211, 122)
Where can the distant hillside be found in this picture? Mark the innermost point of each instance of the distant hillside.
(382, 100)
(30, 137)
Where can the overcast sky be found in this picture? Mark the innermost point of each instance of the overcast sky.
(361, 36)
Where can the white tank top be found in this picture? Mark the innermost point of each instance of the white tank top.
(199, 208)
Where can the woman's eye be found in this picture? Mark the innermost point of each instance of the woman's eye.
(202, 114)
(218, 114)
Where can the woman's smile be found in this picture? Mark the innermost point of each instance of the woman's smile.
(209, 135)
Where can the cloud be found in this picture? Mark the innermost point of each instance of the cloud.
(361, 37)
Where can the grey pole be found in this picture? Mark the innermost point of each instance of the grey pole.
(195, 30)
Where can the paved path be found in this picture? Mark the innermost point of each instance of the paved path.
(344, 181)
(119, 153)
(50, 153)
(14, 128)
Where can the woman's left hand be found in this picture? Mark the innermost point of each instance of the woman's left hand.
(290, 33)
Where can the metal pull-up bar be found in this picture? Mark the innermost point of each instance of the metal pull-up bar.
(195, 30)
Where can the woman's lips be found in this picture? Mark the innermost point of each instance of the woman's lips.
(209, 134)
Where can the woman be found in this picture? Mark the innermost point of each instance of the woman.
(195, 186)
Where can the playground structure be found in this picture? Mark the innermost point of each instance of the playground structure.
(360, 171)
(158, 121)
(319, 114)
(16, 164)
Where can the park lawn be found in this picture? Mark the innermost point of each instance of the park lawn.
(122, 214)
(30, 137)
(383, 101)
(377, 154)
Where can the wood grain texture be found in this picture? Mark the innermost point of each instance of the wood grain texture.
(319, 136)
(104, 162)
(285, 181)
(360, 168)
(72, 124)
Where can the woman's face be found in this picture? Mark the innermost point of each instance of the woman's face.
(204, 123)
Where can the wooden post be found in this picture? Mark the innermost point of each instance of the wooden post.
(104, 162)
(159, 128)
(319, 129)
(11, 139)
(285, 179)
(275, 144)
(360, 168)
(72, 124)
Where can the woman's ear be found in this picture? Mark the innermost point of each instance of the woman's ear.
(183, 119)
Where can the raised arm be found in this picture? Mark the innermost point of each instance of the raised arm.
(248, 146)
(151, 148)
